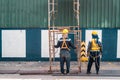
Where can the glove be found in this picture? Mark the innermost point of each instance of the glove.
(100, 56)
(88, 54)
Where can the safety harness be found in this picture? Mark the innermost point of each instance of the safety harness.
(64, 45)
(95, 47)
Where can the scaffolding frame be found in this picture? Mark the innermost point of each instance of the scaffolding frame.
(51, 33)
(76, 8)
(52, 29)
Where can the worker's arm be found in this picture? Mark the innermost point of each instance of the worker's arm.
(101, 47)
(58, 45)
(71, 45)
(88, 48)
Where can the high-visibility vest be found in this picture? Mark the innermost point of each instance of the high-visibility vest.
(94, 45)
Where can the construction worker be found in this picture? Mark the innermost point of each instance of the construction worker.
(65, 43)
(94, 52)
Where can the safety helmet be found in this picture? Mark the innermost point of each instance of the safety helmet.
(65, 31)
(94, 33)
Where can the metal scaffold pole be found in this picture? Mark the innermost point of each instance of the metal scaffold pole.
(51, 32)
(77, 37)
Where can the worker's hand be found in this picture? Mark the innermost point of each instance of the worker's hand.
(76, 47)
(88, 54)
(100, 56)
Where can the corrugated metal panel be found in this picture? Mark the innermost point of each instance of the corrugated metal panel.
(93, 13)
(100, 13)
(65, 16)
(23, 13)
(34, 13)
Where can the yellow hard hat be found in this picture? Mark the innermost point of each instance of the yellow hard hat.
(94, 33)
(65, 31)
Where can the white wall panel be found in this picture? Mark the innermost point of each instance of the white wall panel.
(45, 44)
(118, 44)
(13, 43)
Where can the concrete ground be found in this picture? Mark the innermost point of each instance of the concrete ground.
(39, 70)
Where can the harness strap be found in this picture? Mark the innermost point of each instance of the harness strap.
(64, 45)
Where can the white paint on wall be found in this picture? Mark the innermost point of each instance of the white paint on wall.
(118, 44)
(88, 36)
(13, 43)
(45, 44)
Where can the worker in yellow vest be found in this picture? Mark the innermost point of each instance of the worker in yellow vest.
(65, 43)
(94, 52)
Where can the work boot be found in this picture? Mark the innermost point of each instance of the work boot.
(62, 74)
(68, 74)
(97, 72)
(67, 71)
(88, 73)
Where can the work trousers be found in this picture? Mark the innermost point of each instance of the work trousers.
(65, 58)
(94, 57)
